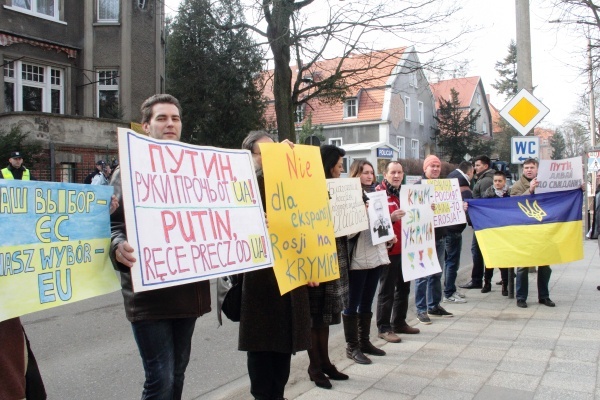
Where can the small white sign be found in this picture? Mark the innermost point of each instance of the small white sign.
(379, 218)
(559, 175)
(593, 161)
(523, 148)
(524, 111)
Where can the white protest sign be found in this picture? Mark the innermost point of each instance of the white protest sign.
(419, 258)
(448, 202)
(379, 217)
(559, 175)
(347, 206)
(192, 213)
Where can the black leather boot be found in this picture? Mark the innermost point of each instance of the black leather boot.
(364, 330)
(351, 333)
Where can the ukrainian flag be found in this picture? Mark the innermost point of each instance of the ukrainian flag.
(522, 231)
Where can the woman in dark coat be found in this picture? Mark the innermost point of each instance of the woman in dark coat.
(272, 326)
(328, 299)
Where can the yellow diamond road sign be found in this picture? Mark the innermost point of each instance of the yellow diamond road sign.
(524, 111)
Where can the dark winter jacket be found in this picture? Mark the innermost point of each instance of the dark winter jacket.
(270, 321)
(183, 301)
(484, 181)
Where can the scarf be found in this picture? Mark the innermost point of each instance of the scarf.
(390, 190)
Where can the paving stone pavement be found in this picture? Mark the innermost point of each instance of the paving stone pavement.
(490, 350)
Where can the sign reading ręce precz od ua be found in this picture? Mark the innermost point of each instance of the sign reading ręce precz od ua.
(192, 213)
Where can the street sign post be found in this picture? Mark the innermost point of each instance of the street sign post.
(593, 161)
(524, 111)
(523, 148)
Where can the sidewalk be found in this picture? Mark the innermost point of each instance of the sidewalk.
(491, 349)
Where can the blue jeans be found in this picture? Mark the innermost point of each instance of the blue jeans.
(164, 346)
(453, 246)
(362, 287)
(543, 277)
(428, 290)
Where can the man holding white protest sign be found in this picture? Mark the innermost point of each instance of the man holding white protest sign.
(162, 320)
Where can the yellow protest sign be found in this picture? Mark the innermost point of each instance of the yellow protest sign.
(56, 251)
(300, 222)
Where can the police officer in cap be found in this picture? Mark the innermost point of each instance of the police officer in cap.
(15, 168)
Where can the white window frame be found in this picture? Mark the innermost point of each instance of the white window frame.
(336, 141)
(484, 128)
(478, 98)
(50, 81)
(400, 143)
(351, 107)
(108, 20)
(103, 86)
(414, 148)
(33, 9)
(421, 110)
(407, 108)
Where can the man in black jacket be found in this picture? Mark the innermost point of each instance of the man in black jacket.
(464, 174)
(162, 320)
(485, 178)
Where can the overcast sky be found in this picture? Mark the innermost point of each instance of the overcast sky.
(556, 55)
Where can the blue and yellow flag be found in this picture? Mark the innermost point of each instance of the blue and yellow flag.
(523, 231)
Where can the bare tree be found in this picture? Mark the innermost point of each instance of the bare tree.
(307, 32)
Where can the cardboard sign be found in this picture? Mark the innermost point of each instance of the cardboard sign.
(419, 258)
(300, 220)
(192, 213)
(448, 202)
(559, 175)
(347, 206)
(379, 218)
(54, 245)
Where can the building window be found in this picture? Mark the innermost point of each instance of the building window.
(350, 108)
(108, 94)
(414, 148)
(478, 98)
(31, 87)
(47, 9)
(484, 128)
(400, 145)
(421, 113)
(108, 10)
(413, 80)
(407, 108)
(67, 172)
(299, 114)
(336, 142)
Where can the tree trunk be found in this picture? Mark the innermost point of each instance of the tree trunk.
(278, 33)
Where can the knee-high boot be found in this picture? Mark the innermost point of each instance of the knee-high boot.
(352, 345)
(364, 330)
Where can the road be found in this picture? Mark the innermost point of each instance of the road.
(86, 350)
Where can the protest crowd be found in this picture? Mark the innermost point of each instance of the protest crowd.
(372, 265)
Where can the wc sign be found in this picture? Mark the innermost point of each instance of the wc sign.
(523, 148)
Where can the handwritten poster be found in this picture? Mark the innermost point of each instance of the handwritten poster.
(53, 245)
(347, 206)
(559, 175)
(419, 258)
(300, 220)
(448, 202)
(379, 218)
(192, 213)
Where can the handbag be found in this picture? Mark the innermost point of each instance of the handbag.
(229, 297)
